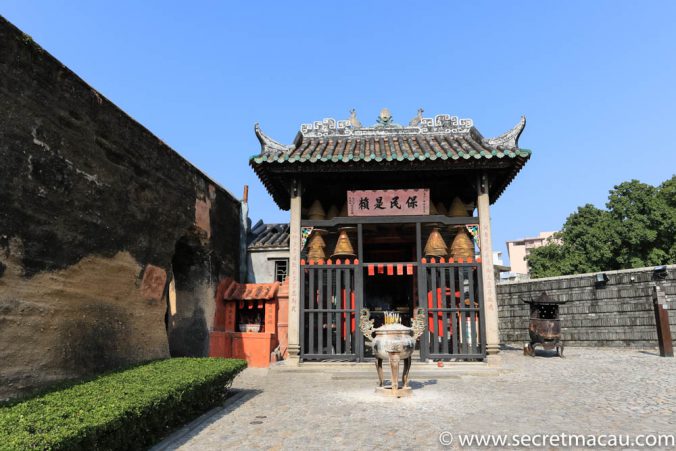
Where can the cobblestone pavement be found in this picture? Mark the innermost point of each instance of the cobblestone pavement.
(591, 391)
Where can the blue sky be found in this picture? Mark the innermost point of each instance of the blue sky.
(596, 80)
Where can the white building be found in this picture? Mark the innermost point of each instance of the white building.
(518, 250)
(267, 253)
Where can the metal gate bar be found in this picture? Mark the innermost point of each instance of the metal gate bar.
(328, 311)
(455, 321)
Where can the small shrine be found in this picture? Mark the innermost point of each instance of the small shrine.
(246, 322)
(390, 218)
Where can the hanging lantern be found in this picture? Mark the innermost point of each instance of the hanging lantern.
(462, 246)
(316, 212)
(441, 208)
(343, 246)
(316, 246)
(433, 209)
(332, 212)
(435, 246)
(457, 208)
(343, 211)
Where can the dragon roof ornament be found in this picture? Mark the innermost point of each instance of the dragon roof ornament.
(270, 146)
(509, 139)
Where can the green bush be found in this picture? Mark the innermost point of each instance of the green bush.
(129, 409)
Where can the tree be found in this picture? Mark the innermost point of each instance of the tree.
(668, 192)
(643, 217)
(637, 229)
(550, 260)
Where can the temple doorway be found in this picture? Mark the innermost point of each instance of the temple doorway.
(385, 292)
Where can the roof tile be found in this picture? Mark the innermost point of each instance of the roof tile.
(390, 149)
(444, 138)
(268, 235)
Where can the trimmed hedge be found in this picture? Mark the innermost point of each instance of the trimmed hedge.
(129, 409)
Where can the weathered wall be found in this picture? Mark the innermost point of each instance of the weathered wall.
(621, 314)
(96, 217)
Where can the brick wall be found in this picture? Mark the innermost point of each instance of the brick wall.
(98, 218)
(621, 314)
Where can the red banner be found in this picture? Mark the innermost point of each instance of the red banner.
(389, 202)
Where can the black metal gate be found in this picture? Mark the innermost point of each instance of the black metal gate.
(450, 291)
(452, 295)
(330, 304)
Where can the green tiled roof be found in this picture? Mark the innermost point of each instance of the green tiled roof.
(395, 148)
(335, 144)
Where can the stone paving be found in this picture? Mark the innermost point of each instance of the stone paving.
(591, 391)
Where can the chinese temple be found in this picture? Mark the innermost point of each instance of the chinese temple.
(390, 217)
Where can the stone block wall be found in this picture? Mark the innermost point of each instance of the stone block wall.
(619, 314)
(111, 244)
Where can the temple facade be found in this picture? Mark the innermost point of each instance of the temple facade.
(390, 218)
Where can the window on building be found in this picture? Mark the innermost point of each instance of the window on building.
(281, 270)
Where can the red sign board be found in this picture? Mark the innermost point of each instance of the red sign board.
(389, 202)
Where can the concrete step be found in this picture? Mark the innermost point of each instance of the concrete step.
(366, 370)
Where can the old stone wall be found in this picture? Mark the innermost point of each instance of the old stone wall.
(98, 217)
(618, 314)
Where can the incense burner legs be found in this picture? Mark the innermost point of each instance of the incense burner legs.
(396, 343)
(407, 368)
(395, 371)
(530, 348)
(379, 369)
(394, 366)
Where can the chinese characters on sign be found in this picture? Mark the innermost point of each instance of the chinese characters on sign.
(390, 202)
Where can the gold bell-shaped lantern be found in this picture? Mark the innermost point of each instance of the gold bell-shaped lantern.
(332, 212)
(316, 212)
(433, 209)
(441, 208)
(462, 246)
(343, 211)
(316, 246)
(343, 246)
(457, 208)
(435, 246)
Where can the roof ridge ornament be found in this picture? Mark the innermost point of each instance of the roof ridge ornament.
(508, 139)
(268, 145)
(354, 122)
(418, 119)
(439, 124)
(385, 119)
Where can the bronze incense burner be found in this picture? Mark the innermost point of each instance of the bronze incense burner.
(395, 342)
(544, 327)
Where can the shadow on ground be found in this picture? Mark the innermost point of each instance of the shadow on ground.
(187, 431)
(546, 353)
(415, 385)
